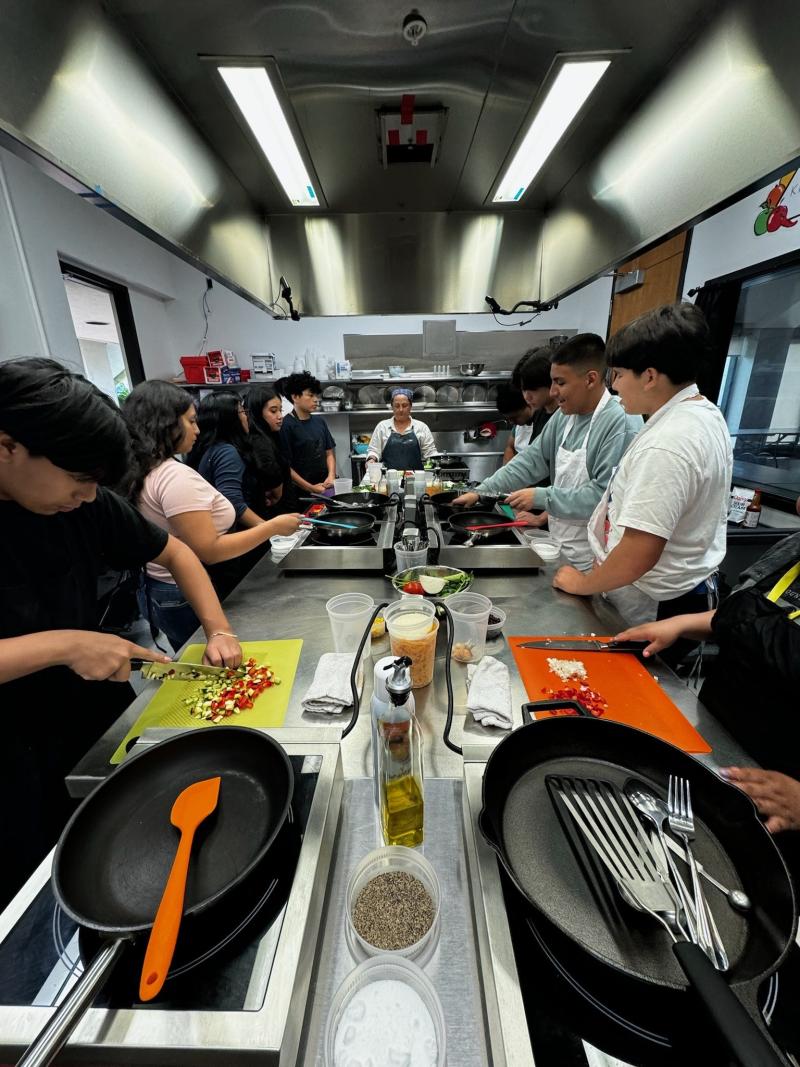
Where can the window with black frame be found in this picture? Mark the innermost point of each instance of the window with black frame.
(760, 390)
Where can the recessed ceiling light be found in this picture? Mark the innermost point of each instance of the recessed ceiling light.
(569, 90)
(255, 97)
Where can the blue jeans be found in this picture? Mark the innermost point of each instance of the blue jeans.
(171, 612)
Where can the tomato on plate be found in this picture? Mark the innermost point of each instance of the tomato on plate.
(414, 588)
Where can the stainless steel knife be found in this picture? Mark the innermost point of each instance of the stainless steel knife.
(568, 645)
(182, 672)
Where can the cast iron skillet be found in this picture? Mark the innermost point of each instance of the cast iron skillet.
(521, 824)
(115, 854)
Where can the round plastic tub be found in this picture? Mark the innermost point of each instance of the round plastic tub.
(381, 969)
(384, 861)
(493, 629)
(470, 613)
(548, 551)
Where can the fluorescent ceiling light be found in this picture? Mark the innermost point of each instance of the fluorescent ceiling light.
(568, 93)
(252, 90)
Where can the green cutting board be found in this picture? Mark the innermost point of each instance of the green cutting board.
(167, 709)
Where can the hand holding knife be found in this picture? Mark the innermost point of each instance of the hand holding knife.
(175, 671)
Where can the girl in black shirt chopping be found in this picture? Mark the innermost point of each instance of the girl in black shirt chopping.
(61, 442)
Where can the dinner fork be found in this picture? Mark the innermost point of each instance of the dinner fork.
(681, 822)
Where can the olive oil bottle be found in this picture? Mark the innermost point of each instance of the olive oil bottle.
(402, 811)
(397, 754)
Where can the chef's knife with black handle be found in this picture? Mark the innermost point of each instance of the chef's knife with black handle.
(567, 645)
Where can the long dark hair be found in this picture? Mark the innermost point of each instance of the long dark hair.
(219, 422)
(257, 397)
(60, 415)
(153, 415)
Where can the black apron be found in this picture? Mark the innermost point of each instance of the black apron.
(402, 452)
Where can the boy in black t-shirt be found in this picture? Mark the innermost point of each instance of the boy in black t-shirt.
(61, 440)
(307, 442)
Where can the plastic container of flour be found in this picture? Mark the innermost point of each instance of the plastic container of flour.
(393, 858)
(387, 1007)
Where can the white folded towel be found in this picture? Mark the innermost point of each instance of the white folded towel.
(489, 697)
(330, 692)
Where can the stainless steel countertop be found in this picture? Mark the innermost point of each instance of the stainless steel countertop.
(271, 604)
(453, 967)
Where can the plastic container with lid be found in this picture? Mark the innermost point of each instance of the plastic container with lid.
(412, 630)
(382, 969)
(389, 859)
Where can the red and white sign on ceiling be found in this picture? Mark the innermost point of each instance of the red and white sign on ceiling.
(411, 134)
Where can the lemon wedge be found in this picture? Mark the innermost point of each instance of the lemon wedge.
(431, 584)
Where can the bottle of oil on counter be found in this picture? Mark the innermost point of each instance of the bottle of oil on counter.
(397, 754)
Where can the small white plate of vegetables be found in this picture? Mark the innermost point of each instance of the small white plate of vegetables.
(432, 581)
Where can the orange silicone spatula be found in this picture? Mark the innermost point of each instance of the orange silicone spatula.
(194, 804)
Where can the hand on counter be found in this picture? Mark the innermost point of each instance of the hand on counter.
(777, 796)
(467, 499)
(223, 650)
(570, 580)
(328, 483)
(521, 499)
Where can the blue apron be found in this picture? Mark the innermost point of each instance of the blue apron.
(402, 452)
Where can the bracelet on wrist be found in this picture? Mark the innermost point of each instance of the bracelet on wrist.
(222, 633)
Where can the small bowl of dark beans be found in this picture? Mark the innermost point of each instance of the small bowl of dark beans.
(497, 620)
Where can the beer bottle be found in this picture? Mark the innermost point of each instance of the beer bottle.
(752, 515)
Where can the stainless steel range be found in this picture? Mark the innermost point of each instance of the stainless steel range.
(317, 550)
(244, 1006)
(507, 549)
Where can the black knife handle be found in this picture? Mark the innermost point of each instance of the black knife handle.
(137, 664)
(748, 1043)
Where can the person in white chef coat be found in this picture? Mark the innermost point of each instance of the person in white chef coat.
(658, 533)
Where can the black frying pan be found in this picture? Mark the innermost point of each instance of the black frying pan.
(115, 854)
(360, 501)
(358, 523)
(522, 825)
(460, 523)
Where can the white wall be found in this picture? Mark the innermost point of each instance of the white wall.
(726, 242)
(40, 220)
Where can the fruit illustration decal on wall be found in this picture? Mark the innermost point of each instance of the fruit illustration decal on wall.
(774, 215)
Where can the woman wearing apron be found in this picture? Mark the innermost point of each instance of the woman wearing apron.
(658, 533)
(401, 443)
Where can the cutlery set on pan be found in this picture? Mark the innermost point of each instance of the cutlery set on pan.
(638, 838)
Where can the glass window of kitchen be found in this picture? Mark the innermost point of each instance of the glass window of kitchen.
(103, 323)
(760, 391)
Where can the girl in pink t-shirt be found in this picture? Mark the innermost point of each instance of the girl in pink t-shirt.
(162, 421)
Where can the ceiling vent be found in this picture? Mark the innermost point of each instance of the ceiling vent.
(410, 134)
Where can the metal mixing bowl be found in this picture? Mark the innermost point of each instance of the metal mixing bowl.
(471, 369)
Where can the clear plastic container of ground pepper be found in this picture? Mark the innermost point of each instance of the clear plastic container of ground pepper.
(387, 919)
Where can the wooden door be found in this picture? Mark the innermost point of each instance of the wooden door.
(662, 266)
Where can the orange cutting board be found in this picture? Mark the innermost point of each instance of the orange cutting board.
(633, 695)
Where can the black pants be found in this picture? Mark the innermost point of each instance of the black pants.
(688, 604)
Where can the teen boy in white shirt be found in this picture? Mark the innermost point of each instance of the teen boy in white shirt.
(658, 533)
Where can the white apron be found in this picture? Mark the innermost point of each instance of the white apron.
(571, 473)
(633, 605)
